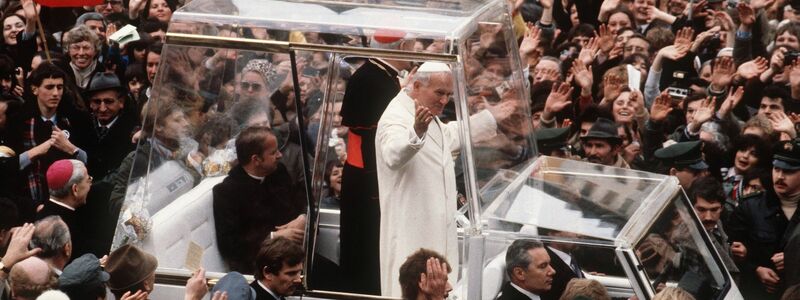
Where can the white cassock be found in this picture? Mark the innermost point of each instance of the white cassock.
(417, 186)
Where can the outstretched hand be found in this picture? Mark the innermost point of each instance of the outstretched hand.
(559, 98)
(422, 118)
(433, 283)
(18, 246)
(753, 68)
(734, 96)
(661, 108)
(531, 40)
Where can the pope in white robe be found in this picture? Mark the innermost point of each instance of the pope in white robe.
(416, 177)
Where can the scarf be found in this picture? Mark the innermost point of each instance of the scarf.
(82, 77)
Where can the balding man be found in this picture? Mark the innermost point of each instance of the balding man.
(30, 278)
(256, 201)
(69, 183)
(416, 175)
(52, 236)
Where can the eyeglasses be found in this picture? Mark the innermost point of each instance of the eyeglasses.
(247, 85)
(106, 101)
(112, 2)
(76, 47)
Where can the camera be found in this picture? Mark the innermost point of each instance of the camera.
(679, 88)
(790, 57)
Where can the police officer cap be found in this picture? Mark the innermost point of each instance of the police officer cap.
(787, 155)
(551, 138)
(684, 154)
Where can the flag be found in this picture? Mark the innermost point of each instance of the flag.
(69, 3)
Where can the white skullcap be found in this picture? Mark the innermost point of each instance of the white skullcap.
(53, 295)
(433, 67)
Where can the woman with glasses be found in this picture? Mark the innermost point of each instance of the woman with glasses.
(83, 47)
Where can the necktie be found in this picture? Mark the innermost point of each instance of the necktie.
(102, 131)
(575, 268)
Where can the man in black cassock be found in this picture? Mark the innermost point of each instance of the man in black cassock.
(368, 92)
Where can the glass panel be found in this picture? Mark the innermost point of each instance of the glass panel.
(185, 196)
(675, 253)
(359, 92)
(594, 201)
(442, 19)
(496, 83)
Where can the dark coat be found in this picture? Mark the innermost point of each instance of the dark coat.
(261, 293)
(791, 257)
(760, 224)
(246, 211)
(563, 275)
(369, 91)
(508, 292)
(70, 120)
(106, 152)
(22, 53)
(70, 217)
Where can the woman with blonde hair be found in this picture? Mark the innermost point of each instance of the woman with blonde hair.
(673, 293)
(588, 288)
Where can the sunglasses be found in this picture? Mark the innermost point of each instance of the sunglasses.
(247, 85)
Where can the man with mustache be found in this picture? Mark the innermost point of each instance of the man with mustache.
(279, 268)
(766, 224)
(602, 144)
(707, 198)
(786, 176)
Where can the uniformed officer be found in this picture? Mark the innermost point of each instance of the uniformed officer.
(767, 225)
(553, 142)
(684, 160)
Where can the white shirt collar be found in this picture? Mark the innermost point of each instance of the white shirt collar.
(530, 295)
(109, 123)
(62, 204)
(562, 255)
(268, 290)
(51, 119)
(254, 176)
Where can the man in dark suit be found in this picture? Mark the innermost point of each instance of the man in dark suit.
(69, 184)
(368, 92)
(110, 140)
(564, 263)
(279, 264)
(107, 145)
(256, 201)
(46, 130)
(528, 266)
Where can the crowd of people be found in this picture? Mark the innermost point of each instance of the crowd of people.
(91, 147)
